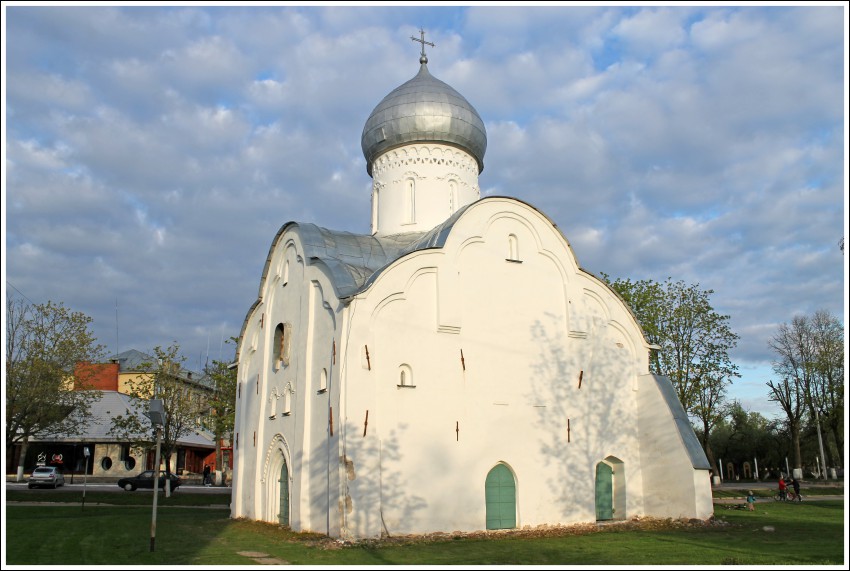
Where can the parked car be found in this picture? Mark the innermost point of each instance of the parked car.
(145, 480)
(46, 476)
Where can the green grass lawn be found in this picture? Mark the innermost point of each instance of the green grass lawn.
(762, 492)
(802, 534)
(137, 498)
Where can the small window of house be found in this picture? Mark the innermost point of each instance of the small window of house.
(106, 463)
(513, 248)
(410, 201)
(273, 405)
(287, 400)
(323, 381)
(375, 209)
(405, 377)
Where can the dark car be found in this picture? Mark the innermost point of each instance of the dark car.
(46, 476)
(145, 480)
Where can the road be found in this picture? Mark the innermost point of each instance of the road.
(77, 486)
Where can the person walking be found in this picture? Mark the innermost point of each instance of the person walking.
(783, 488)
(206, 474)
(751, 501)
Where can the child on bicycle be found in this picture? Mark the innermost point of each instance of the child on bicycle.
(795, 483)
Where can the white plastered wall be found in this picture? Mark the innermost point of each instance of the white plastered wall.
(426, 452)
(283, 404)
(672, 486)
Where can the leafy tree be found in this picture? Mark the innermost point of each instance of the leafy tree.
(44, 386)
(792, 344)
(810, 367)
(827, 391)
(646, 299)
(747, 436)
(693, 343)
(222, 404)
(183, 404)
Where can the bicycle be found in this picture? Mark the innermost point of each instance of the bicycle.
(789, 497)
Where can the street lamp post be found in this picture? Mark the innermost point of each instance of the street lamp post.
(157, 416)
(86, 454)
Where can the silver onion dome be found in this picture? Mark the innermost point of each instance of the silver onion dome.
(423, 109)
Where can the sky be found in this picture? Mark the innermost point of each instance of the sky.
(153, 151)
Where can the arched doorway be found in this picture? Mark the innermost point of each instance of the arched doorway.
(500, 498)
(610, 488)
(275, 489)
(283, 483)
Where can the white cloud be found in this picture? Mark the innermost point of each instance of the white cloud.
(652, 30)
(700, 143)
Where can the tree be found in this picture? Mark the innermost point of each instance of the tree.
(183, 404)
(45, 390)
(746, 436)
(810, 367)
(646, 299)
(693, 343)
(827, 390)
(792, 344)
(222, 404)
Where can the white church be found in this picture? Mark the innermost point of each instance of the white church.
(453, 370)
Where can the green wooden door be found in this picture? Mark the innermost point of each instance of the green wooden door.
(604, 491)
(283, 516)
(500, 496)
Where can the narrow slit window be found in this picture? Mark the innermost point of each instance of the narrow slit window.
(375, 209)
(410, 200)
(281, 343)
(287, 400)
(278, 346)
(513, 247)
(272, 405)
(405, 377)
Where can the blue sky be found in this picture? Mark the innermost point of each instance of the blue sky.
(153, 151)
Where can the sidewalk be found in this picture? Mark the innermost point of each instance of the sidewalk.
(743, 499)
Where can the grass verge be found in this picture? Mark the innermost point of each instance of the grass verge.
(137, 498)
(770, 492)
(775, 534)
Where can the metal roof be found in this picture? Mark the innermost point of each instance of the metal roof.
(132, 360)
(354, 261)
(423, 109)
(111, 404)
(683, 425)
(350, 259)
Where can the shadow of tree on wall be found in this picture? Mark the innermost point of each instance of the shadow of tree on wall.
(599, 420)
(387, 487)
